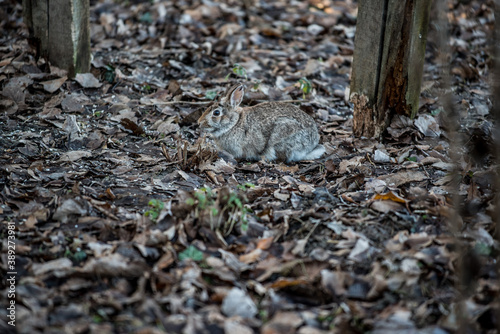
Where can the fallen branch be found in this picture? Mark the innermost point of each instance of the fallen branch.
(183, 102)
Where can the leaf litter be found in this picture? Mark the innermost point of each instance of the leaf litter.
(128, 221)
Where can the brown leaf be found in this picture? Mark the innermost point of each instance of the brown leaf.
(389, 196)
(73, 156)
(52, 85)
(287, 282)
(282, 197)
(400, 178)
(15, 88)
(265, 243)
(252, 257)
(112, 266)
(132, 126)
(87, 80)
(74, 102)
(288, 169)
(63, 266)
(386, 206)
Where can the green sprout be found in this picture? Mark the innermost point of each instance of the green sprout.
(436, 112)
(155, 208)
(77, 256)
(211, 94)
(305, 87)
(238, 208)
(204, 196)
(224, 213)
(110, 74)
(146, 18)
(239, 71)
(147, 88)
(482, 249)
(245, 186)
(192, 253)
(256, 85)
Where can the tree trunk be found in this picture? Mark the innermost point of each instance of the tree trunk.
(389, 53)
(61, 31)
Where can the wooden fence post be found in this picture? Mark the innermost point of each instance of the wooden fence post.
(61, 29)
(389, 53)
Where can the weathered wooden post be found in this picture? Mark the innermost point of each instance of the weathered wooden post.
(389, 52)
(61, 30)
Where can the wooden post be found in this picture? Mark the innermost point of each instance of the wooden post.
(389, 50)
(61, 31)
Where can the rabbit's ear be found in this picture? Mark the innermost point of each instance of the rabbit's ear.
(236, 96)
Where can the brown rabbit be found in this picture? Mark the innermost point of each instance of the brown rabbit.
(270, 130)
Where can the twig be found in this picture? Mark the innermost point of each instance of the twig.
(285, 101)
(368, 157)
(183, 102)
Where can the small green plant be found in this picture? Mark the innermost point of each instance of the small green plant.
(102, 313)
(237, 208)
(96, 318)
(264, 315)
(155, 208)
(436, 112)
(256, 85)
(147, 89)
(110, 74)
(146, 18)
(211, 94)
(204, 197)
(192, 253)
(223, 210)
(239, 71)
(77, 256)
(330, 317)
(482, 249)
(305, 86)
(245, 186)
(414, 159)
(207, 279)
(204, 200)
(68, 253)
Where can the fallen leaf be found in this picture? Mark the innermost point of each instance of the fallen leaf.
(400, 178)
(73, 156)
(238, 303)
(428, 126)
(52, 85)
(389, 196)
(62, 265)
(282, 197)
(87, 80)
(74, 102)
(287, 282)
(386, 206)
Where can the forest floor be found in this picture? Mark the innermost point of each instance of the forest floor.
(125, 219)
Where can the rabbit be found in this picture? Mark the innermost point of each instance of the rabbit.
(269, 130)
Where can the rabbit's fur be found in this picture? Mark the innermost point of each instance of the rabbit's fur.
(270, 130)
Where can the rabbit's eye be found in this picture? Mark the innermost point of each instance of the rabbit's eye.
(216, 112)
